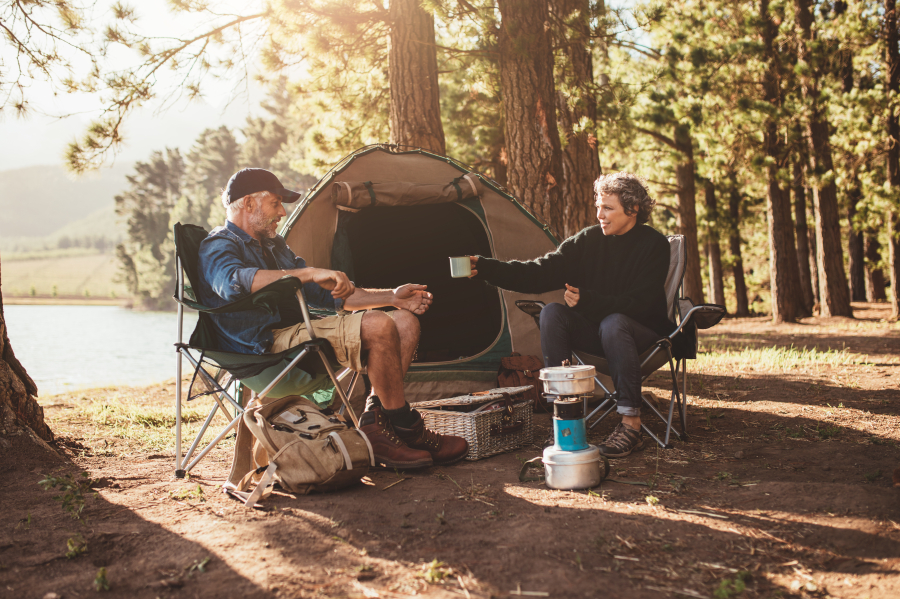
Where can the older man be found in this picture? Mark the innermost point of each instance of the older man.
(246, 254)
(614, 275)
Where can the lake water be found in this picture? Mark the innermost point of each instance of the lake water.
(65, 348)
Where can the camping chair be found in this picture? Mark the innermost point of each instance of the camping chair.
(223, 375)
(667, 350)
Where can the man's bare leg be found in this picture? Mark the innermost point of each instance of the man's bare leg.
(397, 432)
(381, 338)
(408, 328)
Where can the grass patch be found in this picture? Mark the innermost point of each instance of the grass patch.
(829, 432)
(773, 359)
(151, 426)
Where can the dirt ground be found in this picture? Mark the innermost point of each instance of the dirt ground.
(784, 490)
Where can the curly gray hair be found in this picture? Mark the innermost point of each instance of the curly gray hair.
(631, 191)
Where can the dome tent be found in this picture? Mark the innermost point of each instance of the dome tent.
(388, 216)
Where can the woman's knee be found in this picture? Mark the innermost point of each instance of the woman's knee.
(554, 315)
(613, 325)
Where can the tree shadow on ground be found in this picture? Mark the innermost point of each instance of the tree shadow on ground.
(141, 558)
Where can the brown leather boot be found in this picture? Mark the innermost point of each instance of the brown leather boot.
(444, 449)
(389, 449)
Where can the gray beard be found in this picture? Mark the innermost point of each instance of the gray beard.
(259, 224)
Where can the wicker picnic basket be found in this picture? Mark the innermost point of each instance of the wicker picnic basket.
(492, 421)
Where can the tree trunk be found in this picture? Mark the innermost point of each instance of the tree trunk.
(687, 211)
(415, 96)
(875, 291)
(856, 263)
(713, 251)
(813, 261)
(892, 60)
(833, 290)
(20, 412)
(737, 261)
(535, 171)
(855, 256)
(782, 258)
(802, 231)
(577, 114)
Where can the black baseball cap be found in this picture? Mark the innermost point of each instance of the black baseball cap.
(253, 180)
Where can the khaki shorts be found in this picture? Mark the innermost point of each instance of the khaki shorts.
(342, 332)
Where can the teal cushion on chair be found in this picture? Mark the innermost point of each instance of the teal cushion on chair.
(318, 389)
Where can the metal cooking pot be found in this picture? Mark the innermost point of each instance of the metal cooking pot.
(570, 470)
(568, 380)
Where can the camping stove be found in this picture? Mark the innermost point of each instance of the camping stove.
(570, 463)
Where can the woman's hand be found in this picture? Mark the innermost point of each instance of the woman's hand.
(572, 296)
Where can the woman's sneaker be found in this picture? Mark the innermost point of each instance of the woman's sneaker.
(622, 442)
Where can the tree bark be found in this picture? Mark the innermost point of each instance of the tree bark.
(737, 261)
(875, 291)
(802, 231)
(892, 62)
(782, 258)
(19, 410)
(813, 261)
(535, 171)
(687, 212)
(833, 289)
(713, 250)
(856, 263)
(415, 96)
(577, 114)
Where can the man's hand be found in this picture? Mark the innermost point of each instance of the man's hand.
(572, 296)
(334, 280)
(413, 298)
(473, 262)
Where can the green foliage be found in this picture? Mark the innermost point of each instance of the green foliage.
(189, 493)
(146, 256)
(829, 432)
(731, 588)
(75, 546)
(101, 583)
(72, 491)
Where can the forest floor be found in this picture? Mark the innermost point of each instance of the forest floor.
(784, 490)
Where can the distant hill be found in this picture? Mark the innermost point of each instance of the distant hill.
(37, 201)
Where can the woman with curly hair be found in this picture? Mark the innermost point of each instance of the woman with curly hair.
(614, 277)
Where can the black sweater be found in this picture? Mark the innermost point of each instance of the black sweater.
(623, 274)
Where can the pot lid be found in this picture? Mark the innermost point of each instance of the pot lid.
(567, 373)
(561, 457)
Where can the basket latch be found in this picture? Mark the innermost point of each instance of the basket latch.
(507, 425)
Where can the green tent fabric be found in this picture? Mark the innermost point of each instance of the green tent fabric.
(388, 216)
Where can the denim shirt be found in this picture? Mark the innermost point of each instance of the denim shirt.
(229, 259)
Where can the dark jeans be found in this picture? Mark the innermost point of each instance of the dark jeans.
(619, 338)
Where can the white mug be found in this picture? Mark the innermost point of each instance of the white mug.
(460, 266)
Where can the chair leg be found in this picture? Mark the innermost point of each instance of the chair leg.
(179, 471)
(339, 390)
(202, 432)
(214, 442)
(609, 398)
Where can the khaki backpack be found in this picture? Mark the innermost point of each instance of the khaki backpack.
(292, 442)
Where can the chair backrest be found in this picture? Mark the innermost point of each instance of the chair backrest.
(187, 247)
(675, 278)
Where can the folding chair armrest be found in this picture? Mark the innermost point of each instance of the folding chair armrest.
(285, 286)
(530, 307)
(703, 309)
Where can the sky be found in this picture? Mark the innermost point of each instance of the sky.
(42, 137)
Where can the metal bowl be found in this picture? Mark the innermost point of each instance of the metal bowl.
(571, 470)
(568, 380)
